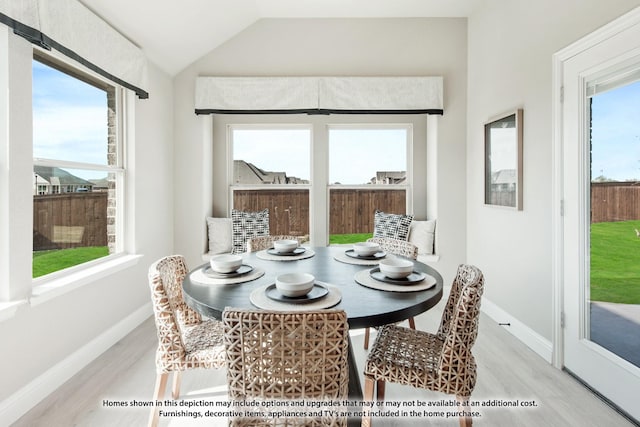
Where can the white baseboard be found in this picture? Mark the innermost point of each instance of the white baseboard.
(18, 404)
(528, 336)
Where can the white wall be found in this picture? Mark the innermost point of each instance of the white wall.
(333, 47)
(511, 43)
(47, 339)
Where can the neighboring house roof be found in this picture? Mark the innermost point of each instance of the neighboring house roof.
(248, 173)
(100, 183)
(57, 176)
(504, 176)
(390, 177)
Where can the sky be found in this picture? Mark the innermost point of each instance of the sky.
(503, 155)
(69, 119)
(275, 150)
(615, 151)
(354, 155)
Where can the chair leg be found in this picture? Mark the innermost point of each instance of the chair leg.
(177, 380)
(366, 338)
(380, 390)
(158, 394)
(369, 384)
(412, 323)
(463, 406)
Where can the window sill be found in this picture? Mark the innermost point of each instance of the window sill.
(9, 309)
(59, 286)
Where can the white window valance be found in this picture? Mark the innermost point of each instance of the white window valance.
(72, 29)
(319, 95)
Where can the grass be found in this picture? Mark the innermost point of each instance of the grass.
(349, 238)
(615, 262)
(45, 262)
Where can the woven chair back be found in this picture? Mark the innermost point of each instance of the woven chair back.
(459, 330)
(164, 276)
(172, 271)
(274, 355)
(397, 247)
(266, 242)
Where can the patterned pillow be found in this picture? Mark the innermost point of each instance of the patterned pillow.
(391, 225)
(246, 225)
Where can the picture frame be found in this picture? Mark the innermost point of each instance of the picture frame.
(503, 160)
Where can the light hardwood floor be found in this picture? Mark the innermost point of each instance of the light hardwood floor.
(507, 370)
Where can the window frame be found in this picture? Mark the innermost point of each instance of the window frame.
(319, 210)
(232, 187)
(122, 100)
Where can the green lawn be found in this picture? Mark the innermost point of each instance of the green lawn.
(45, 262)
(615, 262)
(349, 238)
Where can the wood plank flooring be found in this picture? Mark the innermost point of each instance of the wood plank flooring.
(507, 370)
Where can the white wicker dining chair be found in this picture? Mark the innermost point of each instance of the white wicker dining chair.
(441, 362)
(276, 355)
(266, 242)
(396, 247)
(185, 340)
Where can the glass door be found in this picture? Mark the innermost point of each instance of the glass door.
(601, 224)
(614, 285)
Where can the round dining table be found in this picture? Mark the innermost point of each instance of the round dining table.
(364, 306)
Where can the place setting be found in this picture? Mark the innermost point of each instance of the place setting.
(226, 269)
(285, 250)
(362, 253)
(295, 292)
(395, 274)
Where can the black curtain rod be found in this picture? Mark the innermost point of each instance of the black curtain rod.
(317, 111)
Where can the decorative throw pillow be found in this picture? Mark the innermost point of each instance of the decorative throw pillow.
(394, 226)
(422, 234)
(219, 235)
(246, 225)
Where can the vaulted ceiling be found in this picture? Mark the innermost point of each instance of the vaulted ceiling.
(173, 34)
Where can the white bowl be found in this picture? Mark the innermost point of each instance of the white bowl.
(285, 246)
(294, 284)
(225, 263)
(366, 248)
(396, 268)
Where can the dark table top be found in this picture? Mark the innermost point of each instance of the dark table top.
(365, 307)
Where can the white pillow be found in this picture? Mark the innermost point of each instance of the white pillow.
(422, 234)
(219, 235)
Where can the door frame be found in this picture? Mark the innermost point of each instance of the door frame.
(621, 24)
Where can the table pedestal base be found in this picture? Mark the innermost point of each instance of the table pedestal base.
(355, 387)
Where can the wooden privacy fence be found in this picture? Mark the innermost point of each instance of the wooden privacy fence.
(288, 209)
(615, 201)
(69, 220)
(350, 210)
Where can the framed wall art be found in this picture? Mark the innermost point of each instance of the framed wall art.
(503, 160)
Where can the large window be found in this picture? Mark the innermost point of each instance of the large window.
(271, 169)
(368, 170)
(321, 175)
(77, 167)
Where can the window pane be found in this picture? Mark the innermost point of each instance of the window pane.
(615, 221)
(74, 209)
(367, 156)
(271, 156)
(69, 117)
(277, 156)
